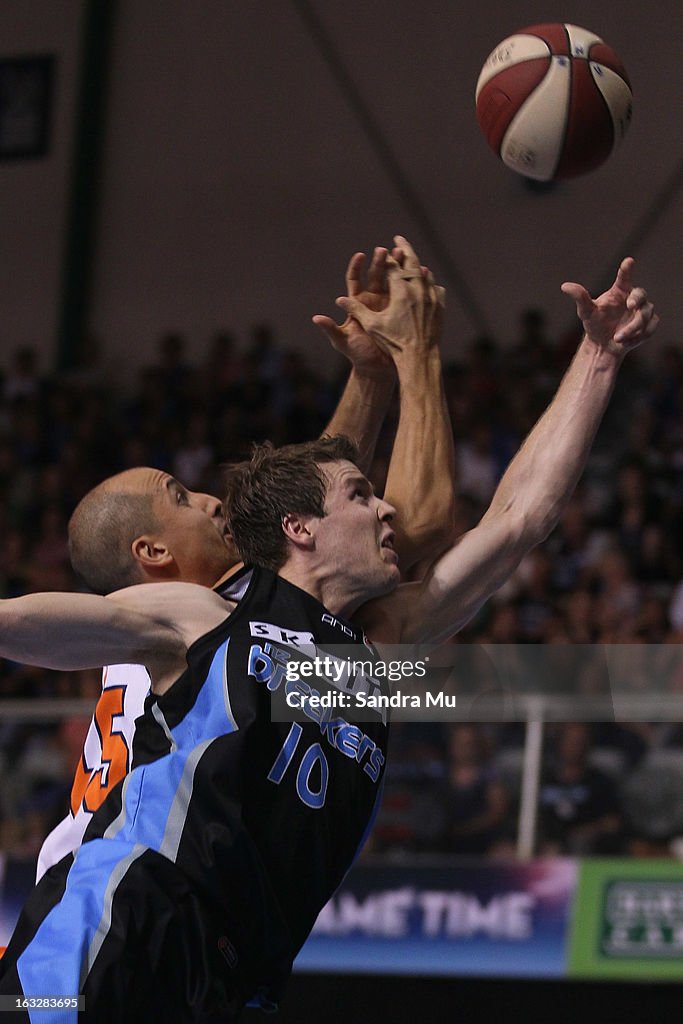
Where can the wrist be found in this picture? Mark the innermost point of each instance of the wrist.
(374, 382)
(604, 357)
(415, 367)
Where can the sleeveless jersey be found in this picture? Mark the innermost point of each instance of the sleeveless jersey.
(107, 752)
(233, 828)
(305, 791)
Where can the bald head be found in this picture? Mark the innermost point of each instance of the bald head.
(103, 527)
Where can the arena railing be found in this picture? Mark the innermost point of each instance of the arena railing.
(536, 711)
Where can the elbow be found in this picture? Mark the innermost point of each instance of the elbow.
(531, 516)
(532, 526)
(524, 531)
(542, 525)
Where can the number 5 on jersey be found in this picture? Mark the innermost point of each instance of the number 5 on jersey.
(91, 785)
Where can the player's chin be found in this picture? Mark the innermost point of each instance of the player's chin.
(389, 556)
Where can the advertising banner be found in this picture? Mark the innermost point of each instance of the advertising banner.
(555, 918)
(477, 919)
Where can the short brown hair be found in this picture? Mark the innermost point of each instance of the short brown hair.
(274, 483)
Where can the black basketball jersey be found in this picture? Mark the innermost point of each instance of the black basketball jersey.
(265, 817)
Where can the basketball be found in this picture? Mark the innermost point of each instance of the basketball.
(553, 101)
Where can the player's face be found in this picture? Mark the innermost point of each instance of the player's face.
(355, 538)
(193, 528)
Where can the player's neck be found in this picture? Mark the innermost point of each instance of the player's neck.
(333, 592)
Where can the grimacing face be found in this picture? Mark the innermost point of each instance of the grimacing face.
(355, 537)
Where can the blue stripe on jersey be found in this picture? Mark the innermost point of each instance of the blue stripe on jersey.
(211, 714)
(155, 798)
(164, 787)
(68, 940)
(63, 949)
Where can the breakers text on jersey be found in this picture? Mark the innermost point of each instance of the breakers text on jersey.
(268, 664)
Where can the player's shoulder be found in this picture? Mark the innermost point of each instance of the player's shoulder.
(188, 608)
(152, 595)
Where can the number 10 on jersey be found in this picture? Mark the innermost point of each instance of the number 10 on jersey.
(313, 756)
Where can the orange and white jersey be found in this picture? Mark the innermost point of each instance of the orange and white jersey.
(105, 759)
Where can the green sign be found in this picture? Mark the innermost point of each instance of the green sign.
(628, 920)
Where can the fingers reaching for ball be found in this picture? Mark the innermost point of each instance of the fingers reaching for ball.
(642, 325)
(580, 295)
(619, 319)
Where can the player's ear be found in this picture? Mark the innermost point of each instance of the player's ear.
(298, 530)
(151, 553)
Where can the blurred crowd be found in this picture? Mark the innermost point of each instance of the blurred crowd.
(609, 574)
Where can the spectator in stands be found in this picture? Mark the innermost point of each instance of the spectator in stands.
(535, 604)
(635, 505)
(579, 807)
(409, 819)
(618, 598)
(474, 800)
(574, 546)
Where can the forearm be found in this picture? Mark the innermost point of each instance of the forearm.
(361, 411)
(542, 476)
(525, 507)
(420, 482)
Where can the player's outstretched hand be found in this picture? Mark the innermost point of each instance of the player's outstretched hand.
(621, 318)
(410, 322)
(349, 338)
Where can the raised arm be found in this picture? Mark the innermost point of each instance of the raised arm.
(152, 624)
(420, 482)
(367, 395)
(539, 480)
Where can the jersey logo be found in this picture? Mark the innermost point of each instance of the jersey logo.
(90, 786)
(282, 636)
(331, 621)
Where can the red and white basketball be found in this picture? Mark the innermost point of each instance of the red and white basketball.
(553, 101)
